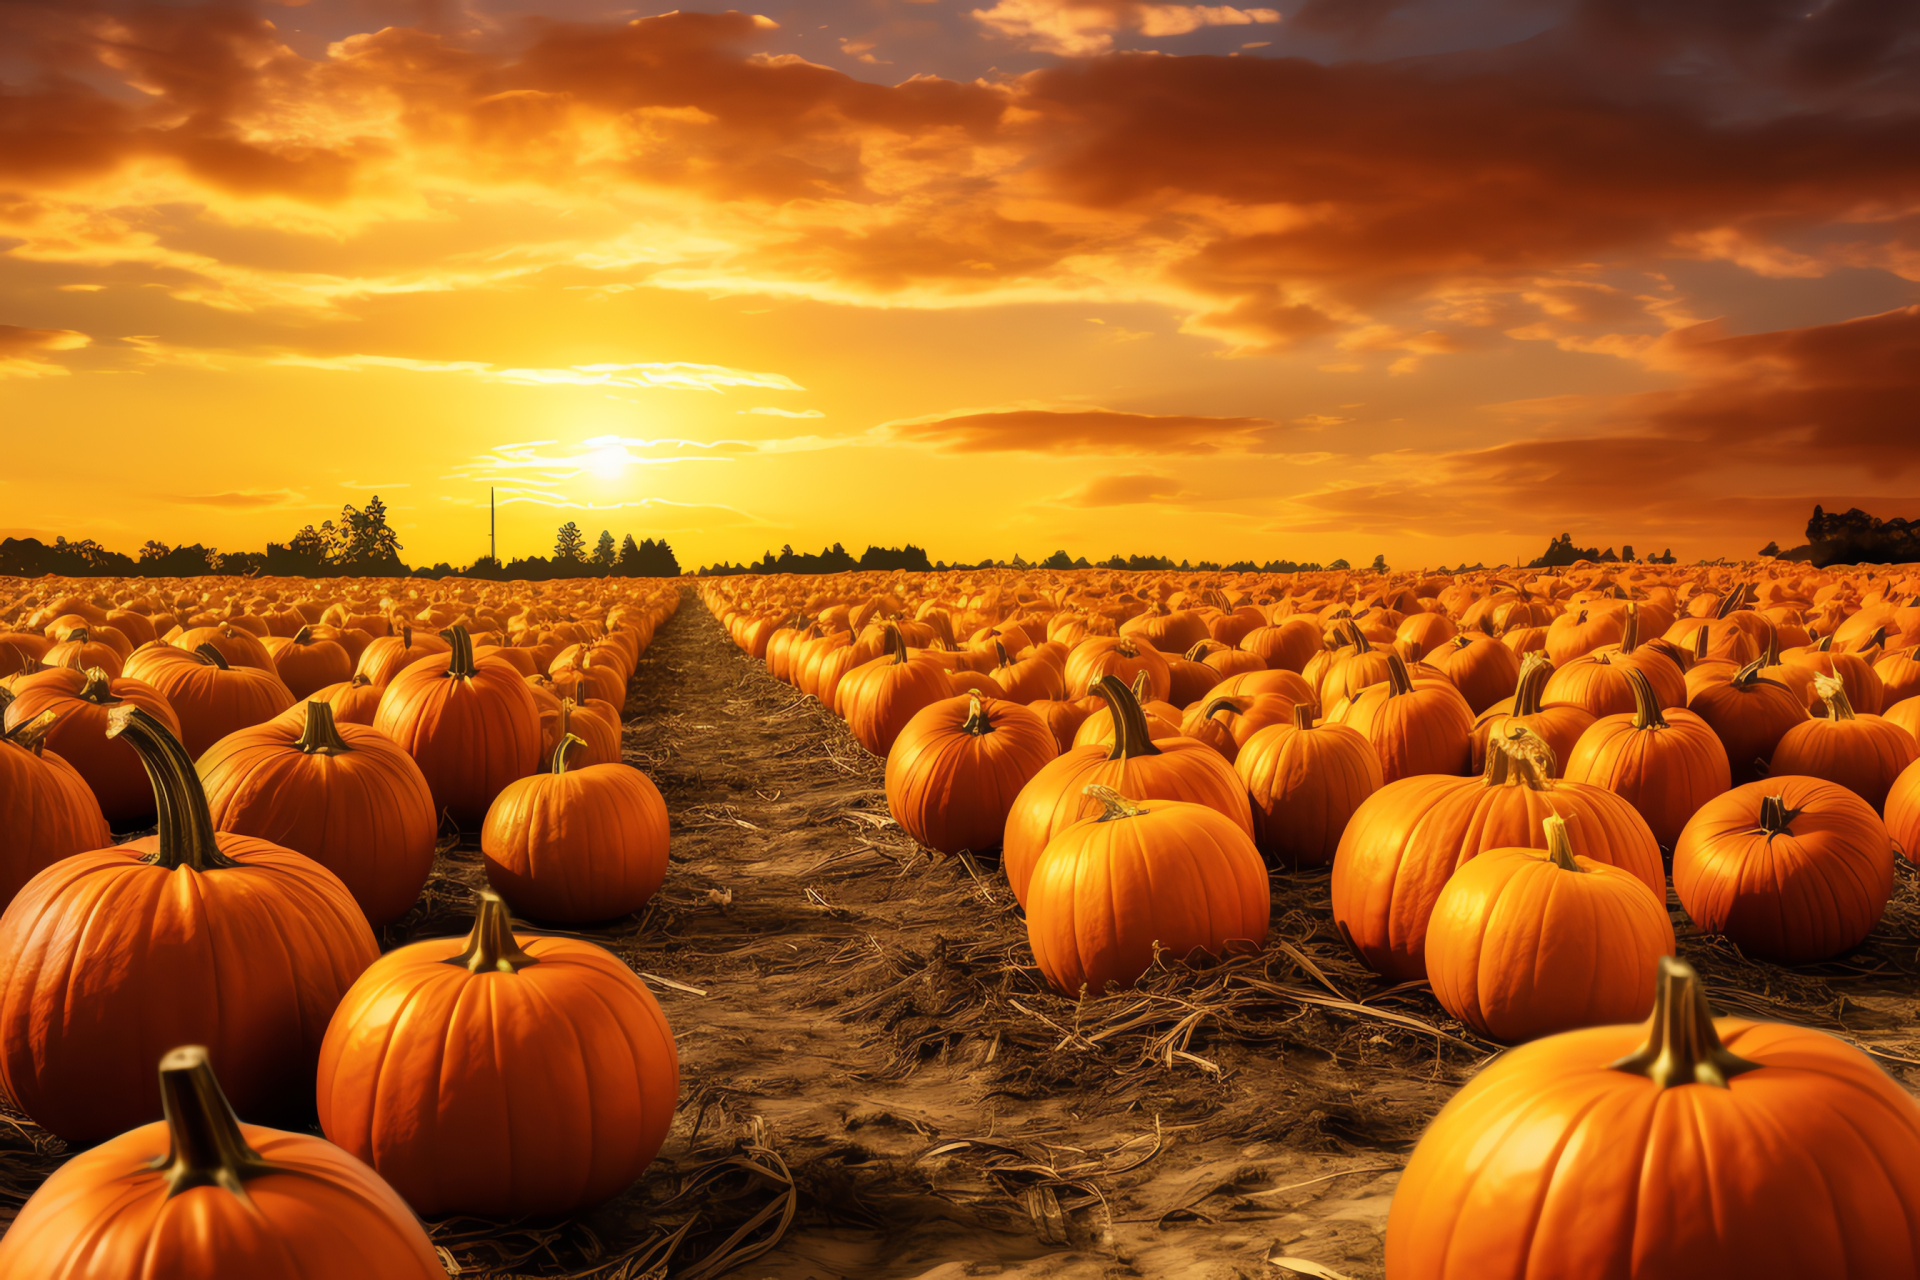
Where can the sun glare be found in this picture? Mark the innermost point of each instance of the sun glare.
(608, 462)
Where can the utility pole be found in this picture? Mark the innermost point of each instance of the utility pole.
(493, 529)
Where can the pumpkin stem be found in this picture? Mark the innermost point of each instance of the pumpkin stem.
(1682, 1046)
(1559, 847)
(1646, 705)
(99, 688)
(31, 734)
(1198, 653)
(1700, 641)
(207, 1147)
(1833, 692)
(213, 657)
(1397, 676)
(1114, 805)
(1775, 818)
(1303, 716)
(1534, 672)
(303, 636)
(1360, 644)
(567, 740)
(406, 636)
(976, 722)
(1230, 703)
(1630, 633)
(1750, 675)
(1000, 650)
(76, 634)
(460, 666)
(1525, 758)
(320, 736)
(491, 946)
(187, 836)
(1825, 644)
(1131, 737)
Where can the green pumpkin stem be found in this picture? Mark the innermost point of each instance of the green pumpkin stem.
(568, 740)
(460, 666)
(320, 736)
(31, 734)
(491, 946)
(1114, 806)
(1682, 1045)
(1399, 680)
(1131, 737)
(1646, 704)
(1775, 818)
(208, 1149)
(977, 721)
(99, 688)
(1303, 716)
(1559, 846)
(212, 657)
(187, 836)
(1527, 691)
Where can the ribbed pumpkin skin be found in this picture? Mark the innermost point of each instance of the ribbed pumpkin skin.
(1903, 813)
(1666, 772)
(1550, 1165)
(1063, 716)
(1790, 898)
(1055, 799)
(1286, 645)
(1598, 681)
(47, 813)
(1518, 947)
(1409, 837)
(1123, 657)
(587, 844)
(387, 656)
(207, 702)
(107, 962)
(1749, 718)
(470, 737)
(303, 668)
(951, 789)
(1426, 730)
(366, 815)
(106, 1215)
(541, 1091)
(79, 736)
(1864, 754)
(1480, 667)
(1304, 786)
(1105, 891)
(1289, 684)
(354, 701)
(883, 696)
(239, 646)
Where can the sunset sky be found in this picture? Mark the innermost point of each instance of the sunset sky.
(1432, 280)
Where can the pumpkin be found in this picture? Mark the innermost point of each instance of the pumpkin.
(599, 736)
(1666, 764)
(1749, 714)
(469, 723)
(577, 845)
(107, 959)
(1683, 1148)
(200, 1194)
(1597, 680)
(79, 649)
(240, 647)
(1862, 753)
(1225, 724)
(1188, 678)
(1790, 869)
(1421, 633)
(1287, 645)
(1027, 680)
(306, 664)
(1097, 730)
(1903, 813)
(1523, 945)
(342, 794)
(387, 656)
(210, 698)
(1120, 656)
(1224, 659)
(1480, 667)
(1410, 836)
(354, 701)
(47, 812)
(881, 697)
(1899, 672)
(1560, 724)
(80, 700)
(1304, 782)
(955, 770)
(1136, 765)
(1865, 690)
(1290, 685)
(501, 1074)
(1111, 890)
(1416, 728)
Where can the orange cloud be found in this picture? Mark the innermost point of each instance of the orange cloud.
(1080, 27)
(23, 352)
(1098, 431)
(1126, 490)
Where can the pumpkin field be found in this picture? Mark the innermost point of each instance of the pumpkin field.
(891, 925)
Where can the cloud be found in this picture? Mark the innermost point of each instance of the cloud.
(1078, 28)
(658, 515)
(24, 352)
(1126, 490)
(1080, 430)
(603, 457)
(676, 375)
(243, 500)
(783, 413)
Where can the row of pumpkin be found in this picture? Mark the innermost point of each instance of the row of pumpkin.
(499, 1074)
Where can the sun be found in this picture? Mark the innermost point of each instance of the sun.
(607, 462)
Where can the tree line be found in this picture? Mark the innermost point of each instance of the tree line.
(361, 543)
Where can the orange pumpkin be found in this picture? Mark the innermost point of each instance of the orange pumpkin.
(1597, 681)
(387, 656)
(1136, 765)
(1287, 645)
(1225, 724)
(1523, 945)
(1791, 869)
(954, 771)
(1305, 781)
(1862, 753)
(107, 959)
(1682, 1149)
(1098, 729)
(79, 649)
(503, 1074)
(1903, 813)
(210, 698)
(1121, 656)
(81, 700)
(47, 812)
(1666, 764)
(201, 1195)
(1560, 724)
(1480, 667)
(354, 701)
(1749, 714)
(342, 794)
(306, 664)
(1110, 890)
(239, 646)
(576, 845)
(1417, 728)
(881, 697)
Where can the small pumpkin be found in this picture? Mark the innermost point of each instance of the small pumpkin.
(1123, 656)
(881, 697)
(201, 1195)
(1111, 890)
(387, 656)
(1417, 728)
(957, 766)
(1305, 781)
(306, 663)
(354, 701)
(1863, 753)
(80, 701)
(1225, 724)
(1480, 667)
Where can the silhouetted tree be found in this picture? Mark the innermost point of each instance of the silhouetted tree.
(603, 551)
(569, 544)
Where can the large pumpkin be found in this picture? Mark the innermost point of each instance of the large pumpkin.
(1136, 765)
(1483, 669)
(1522, 945)
(1418, 728)
(306, 664)
(1903, 813)
(1123, 656)
(954, 771)
(470, 725)
(1688, 1149)
(1304, 782)
(1791, 869)
(882, 696)
(342, 794)
(1560, 724)
(201, 1195)
(109, 959)
(1863, 753)
(47, 812)
(81, 701)
(210, 697)
(1166, 875)
(500, 1074)
(1666, 764)
(576, 845)
(1749, 714)
(1409, 837)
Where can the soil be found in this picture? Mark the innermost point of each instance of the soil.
(877, 1085)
